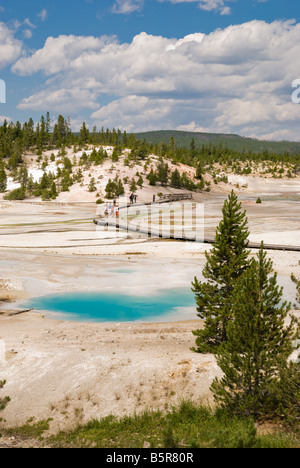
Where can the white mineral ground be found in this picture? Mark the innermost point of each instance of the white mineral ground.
(74, 372)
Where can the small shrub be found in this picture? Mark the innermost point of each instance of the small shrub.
(17, 194)
(3, 401)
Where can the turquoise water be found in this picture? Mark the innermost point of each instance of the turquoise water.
(116, 307)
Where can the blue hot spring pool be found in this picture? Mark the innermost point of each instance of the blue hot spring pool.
(171, 304)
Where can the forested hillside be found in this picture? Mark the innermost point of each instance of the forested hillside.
(232, 142)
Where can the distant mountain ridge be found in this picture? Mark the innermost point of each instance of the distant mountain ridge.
(231, 141)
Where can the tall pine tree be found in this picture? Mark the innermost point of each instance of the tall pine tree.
(226, 262)
(259, 343)
(3, 180)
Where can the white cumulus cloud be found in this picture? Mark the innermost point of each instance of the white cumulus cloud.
(10, 47)
(236, 79)
(127, 6)
(43, 14)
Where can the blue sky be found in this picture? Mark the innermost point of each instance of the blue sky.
(201, 65)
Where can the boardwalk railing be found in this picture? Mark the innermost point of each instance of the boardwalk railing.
(171, 197)
(118, 224)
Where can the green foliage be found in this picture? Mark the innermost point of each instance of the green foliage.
(140, 182)
(84, 135)
(53, 191)
(140, 151)
(68, 166)
(232, 143)
(243, 438)
(186, 426)
(3, 400)
(117, 151)
(163, 173)
(199, 171)
(62, 134)
(258, 201)
(17, 194)
(152, 177)
(114, 188)
(92, 185)
(297, 283)
(187, 183)
(258, 345)
(3, 180)
(175, 179)
(30, 429)
(133, 186)
(226, 262)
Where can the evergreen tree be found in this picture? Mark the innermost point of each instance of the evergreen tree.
(17, 194)
(175, 179)
(226, 262)
(259, 343)
(172, 145)
(23, 176)
(193, 148)
(119, 188)
(3, 180)
(45, 181)
(46, 195)
(110, 189)
(42, 136)
(187, 183)
(163, 173)
(287, 394)
(92, 185)
(152, 177)
(297, 283)
(61, 131)
(125, 139)
(142, 151)
(66, 181)
(48, 125)
(199, 171)
(53, 191)
(133, 186)
(140, 181)
(84, 134)
(117, 151)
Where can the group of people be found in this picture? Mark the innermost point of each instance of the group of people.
(111, 209)
(133, 198)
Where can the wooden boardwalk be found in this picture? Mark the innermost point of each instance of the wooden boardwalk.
(172, 197)
(206, 240)
(113, 222)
